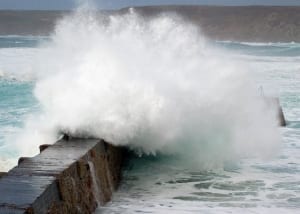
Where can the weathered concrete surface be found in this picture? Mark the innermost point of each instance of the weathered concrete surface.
(2, 174)
(68, 177)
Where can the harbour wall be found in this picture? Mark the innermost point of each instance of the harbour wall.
(70, 176)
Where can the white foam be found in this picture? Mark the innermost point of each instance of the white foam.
(6, 164)
(153, 85)
(18, 63)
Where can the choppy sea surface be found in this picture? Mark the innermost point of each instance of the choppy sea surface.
(164, 184)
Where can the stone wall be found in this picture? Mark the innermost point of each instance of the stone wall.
(71, 176)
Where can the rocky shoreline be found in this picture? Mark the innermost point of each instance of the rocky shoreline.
(248, 24)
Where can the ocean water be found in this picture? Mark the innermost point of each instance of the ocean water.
(16, 92)
(162, 182)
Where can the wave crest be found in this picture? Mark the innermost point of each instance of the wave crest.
(153, 85)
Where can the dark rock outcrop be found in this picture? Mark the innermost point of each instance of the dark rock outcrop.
(274, 103)
(68, 177)
(281, 119)
(43, 147)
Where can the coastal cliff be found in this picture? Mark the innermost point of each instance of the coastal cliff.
(251, 23)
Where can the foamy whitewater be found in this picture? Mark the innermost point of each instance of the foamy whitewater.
(191, 109)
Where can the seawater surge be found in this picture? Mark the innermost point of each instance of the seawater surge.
(153, 85)
(189, 111)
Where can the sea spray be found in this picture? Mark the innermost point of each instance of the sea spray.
(153, 85)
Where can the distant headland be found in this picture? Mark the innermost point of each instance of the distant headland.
(250, 23)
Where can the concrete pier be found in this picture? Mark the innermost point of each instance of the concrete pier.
(2, 174)
(71, 176)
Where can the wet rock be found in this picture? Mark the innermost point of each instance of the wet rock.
(274, 103)
(281, 119)
(43, 147)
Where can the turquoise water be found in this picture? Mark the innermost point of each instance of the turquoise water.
(17, 101)
(263, 49)
(165, 184)
(20, 41)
